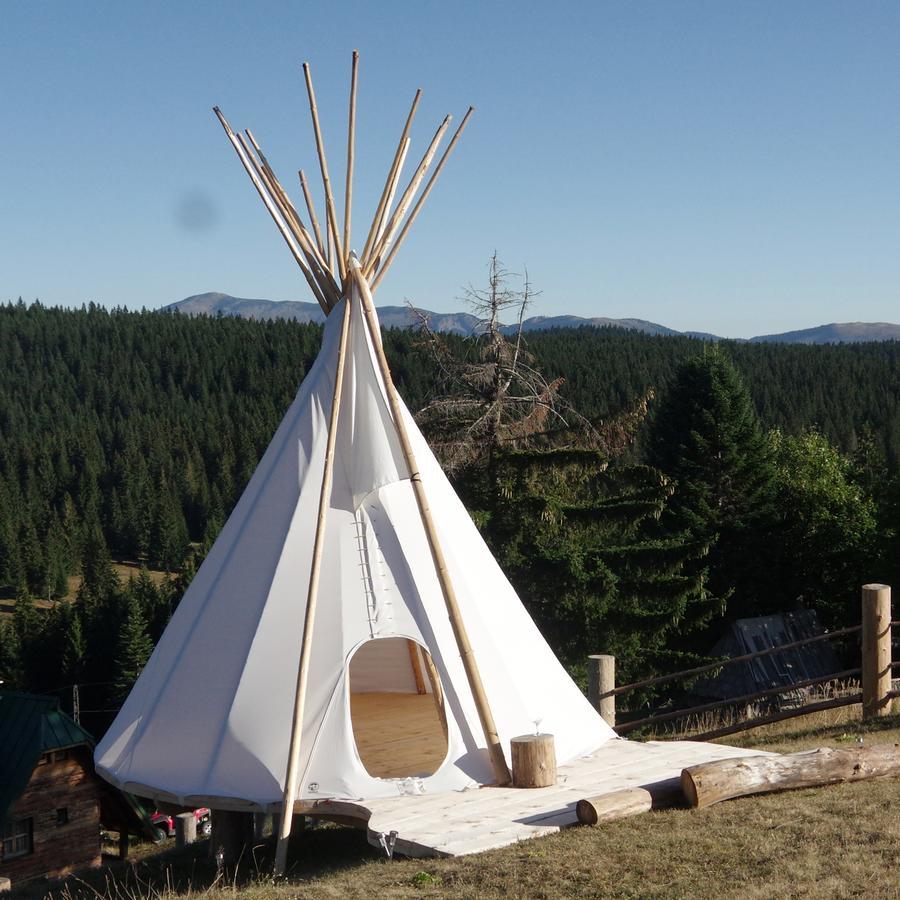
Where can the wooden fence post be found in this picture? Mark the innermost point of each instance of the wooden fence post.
(602, 678)
(876, 650)
(185, 829)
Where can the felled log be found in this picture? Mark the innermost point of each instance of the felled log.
(533, 760)
(726, 779)
(629, 802)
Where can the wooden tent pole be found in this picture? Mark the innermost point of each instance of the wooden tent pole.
(495, 748)
(418, 207)
(419, 679)
(281, 194)
(351, 136)
(323, 275)
(385, 239)
(293, 769)
(331, 215)
(437, 690)
(392, 174)
(394, 185)
(273, 211)
(313, 218)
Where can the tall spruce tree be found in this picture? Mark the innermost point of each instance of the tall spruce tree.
(579, 541)
(133, 649)
(707, 437)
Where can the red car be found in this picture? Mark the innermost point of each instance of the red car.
(165, 824)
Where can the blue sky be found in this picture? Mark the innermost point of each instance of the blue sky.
(719, 166)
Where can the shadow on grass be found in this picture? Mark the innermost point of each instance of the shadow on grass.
(314, 853)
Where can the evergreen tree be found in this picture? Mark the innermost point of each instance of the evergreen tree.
(133, 649)
(10, 657)
(579, 541)
(74, 649)
(707, 437)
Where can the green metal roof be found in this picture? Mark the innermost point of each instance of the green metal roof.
(29, 726)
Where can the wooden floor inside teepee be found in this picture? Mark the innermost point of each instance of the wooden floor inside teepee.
(471, 821)
(398, 735)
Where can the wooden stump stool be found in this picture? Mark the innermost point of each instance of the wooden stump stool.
(185, 829)
(533, 760)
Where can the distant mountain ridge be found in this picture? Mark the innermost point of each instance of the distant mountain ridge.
(213, 304)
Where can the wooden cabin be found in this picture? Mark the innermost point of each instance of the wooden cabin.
(52, 802)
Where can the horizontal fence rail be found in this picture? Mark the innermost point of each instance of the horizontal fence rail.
(780, 716)
(668, 716)
(874, 690)
(728, 661)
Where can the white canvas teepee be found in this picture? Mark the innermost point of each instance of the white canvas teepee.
(347, 544)
(222, 678)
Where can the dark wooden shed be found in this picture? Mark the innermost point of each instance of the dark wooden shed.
(52, 802)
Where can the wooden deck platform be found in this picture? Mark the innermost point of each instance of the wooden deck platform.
(463, 822)
(398, 735)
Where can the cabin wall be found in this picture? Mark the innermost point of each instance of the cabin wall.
(63, 780)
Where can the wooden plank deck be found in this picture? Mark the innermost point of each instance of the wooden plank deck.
(398, 735)
(463, 822)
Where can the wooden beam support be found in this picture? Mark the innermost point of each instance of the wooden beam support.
(492, 738)
(876, 650)
(293, 770)
(725, 779)
(601, 680)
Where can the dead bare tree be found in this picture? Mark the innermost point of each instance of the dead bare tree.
(495, 398)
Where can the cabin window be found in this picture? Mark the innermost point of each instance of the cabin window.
(62, 816)
(60, 755)
(397, 709)
(17, 838)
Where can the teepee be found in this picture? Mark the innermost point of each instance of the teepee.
(348, 570)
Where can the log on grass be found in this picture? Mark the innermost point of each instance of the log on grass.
(726, 779)
(629, 802)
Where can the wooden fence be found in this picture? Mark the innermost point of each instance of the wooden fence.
(874, 673)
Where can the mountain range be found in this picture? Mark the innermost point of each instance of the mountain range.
(213, 304)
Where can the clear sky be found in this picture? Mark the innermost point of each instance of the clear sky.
(719, 166)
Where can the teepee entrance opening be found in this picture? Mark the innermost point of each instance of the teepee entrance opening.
(397, 709)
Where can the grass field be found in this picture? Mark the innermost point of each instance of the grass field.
(841, 841)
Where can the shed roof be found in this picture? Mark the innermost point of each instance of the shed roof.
(30, 725)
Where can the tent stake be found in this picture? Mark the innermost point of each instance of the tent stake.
(495, 748)
(293, 774)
